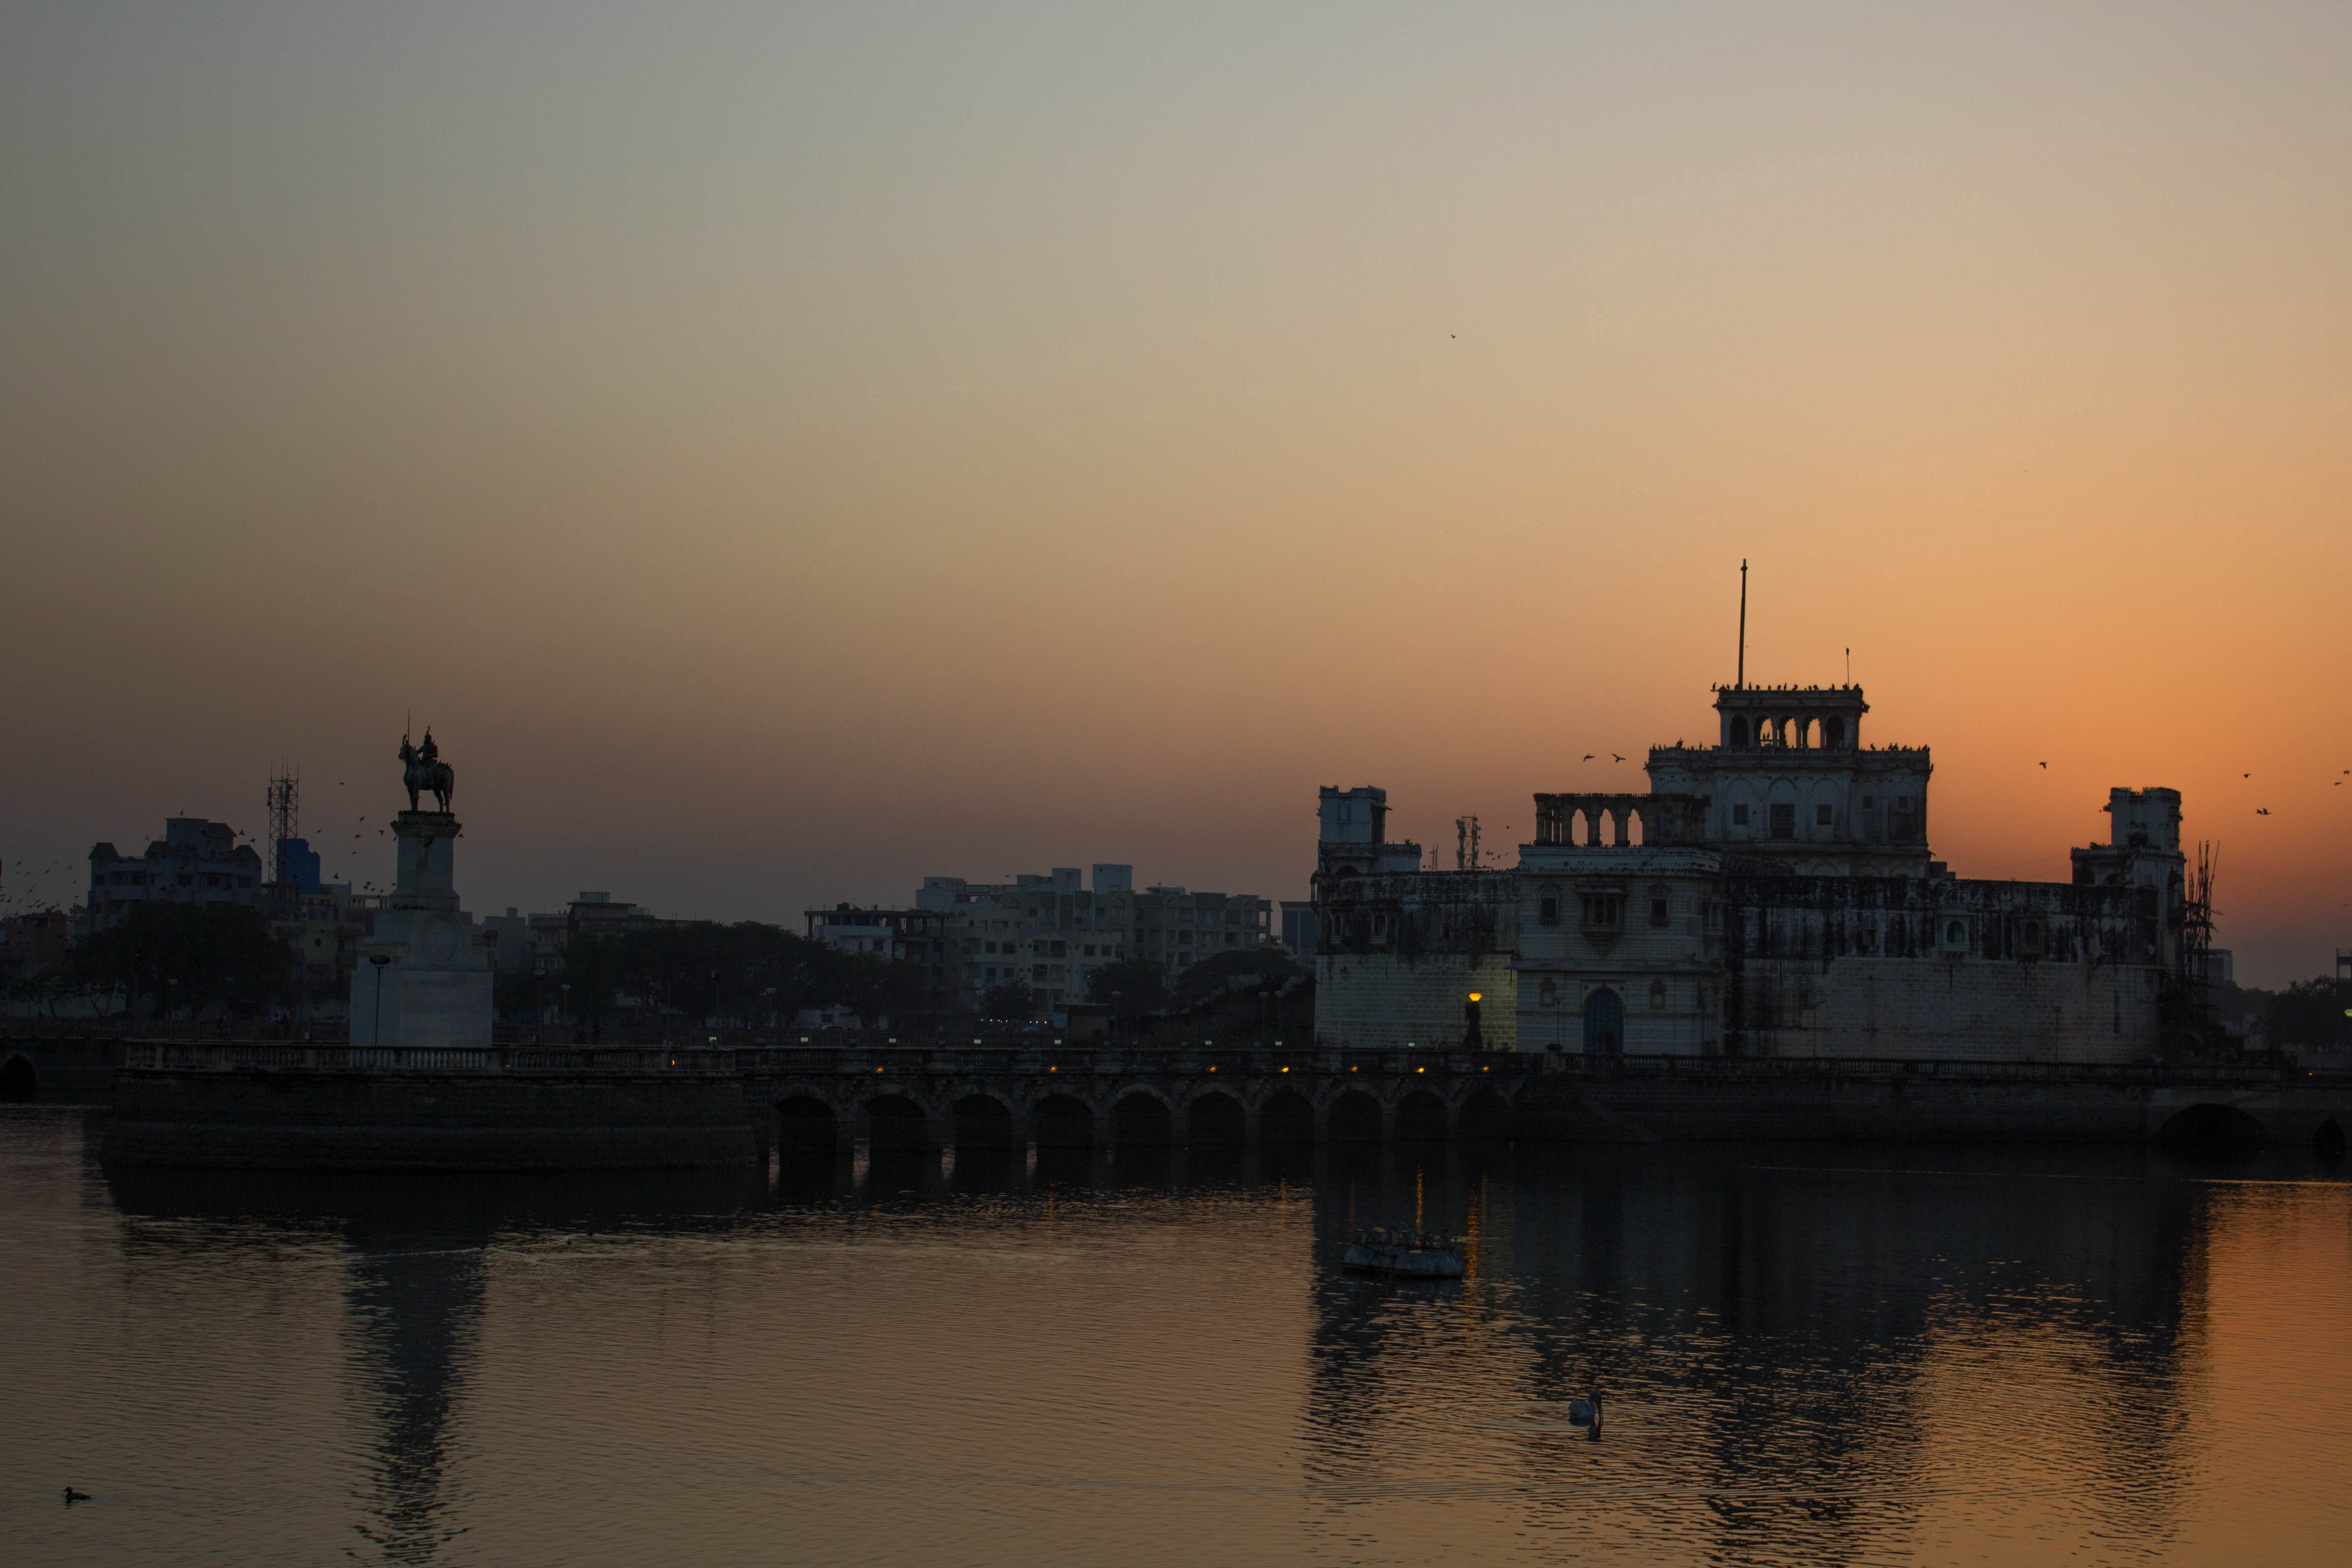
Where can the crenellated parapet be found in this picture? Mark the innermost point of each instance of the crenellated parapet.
(1664, 819)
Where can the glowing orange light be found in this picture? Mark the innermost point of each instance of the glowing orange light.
(1477, 996)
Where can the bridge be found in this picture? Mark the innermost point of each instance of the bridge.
(1107, 1098)
(835, 1096)
(573, 1107)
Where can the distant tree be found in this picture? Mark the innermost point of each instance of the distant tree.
(591, 978)
(1131, 988)
(220, 957)
(1014, 1000)
(1214, 976)
(2310, 1014)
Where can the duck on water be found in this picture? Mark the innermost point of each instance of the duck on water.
(1407, 1254)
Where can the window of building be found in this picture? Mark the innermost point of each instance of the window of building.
(1821, 816)
(1657, 995)
(1090, 950)
(1061, 949)
(1037, 971)
(1868, 804)
(1549, 914)
(1955, 933)
(1738, 816)
(1548, 994)
(1660, 906)
(1784, 820)
(1605, 911)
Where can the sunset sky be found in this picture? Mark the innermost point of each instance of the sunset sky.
(785, 452)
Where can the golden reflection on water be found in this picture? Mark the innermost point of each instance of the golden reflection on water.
(1810, 1356)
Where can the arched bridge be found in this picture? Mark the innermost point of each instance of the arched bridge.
(1106, 1098)
(1103, 1099)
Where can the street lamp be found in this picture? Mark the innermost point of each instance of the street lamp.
(376, 1029)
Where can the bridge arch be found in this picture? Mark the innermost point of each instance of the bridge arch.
(894, 1121)
(1485, 1115)
(982, 1122)
(1139, 1116)
(19, 1082)
(2211, 1129)
(1062, 1121)
(1355, 1118)
(805, 1120)
(1286, 1117)
(1421, 1117)
(1215, 1118)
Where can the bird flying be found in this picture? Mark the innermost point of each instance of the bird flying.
(2045, 764)
(2262, 811)
(1588, 756)
(1614, 755)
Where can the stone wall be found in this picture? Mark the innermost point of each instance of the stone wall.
(1939, 968)
(458, 1121)
(1379, 1000)
(1397, 955)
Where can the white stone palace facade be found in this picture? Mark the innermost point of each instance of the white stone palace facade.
(1771, 895)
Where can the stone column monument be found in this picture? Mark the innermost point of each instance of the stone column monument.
(421, 980)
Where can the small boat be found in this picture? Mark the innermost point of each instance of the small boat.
(1404, 1254)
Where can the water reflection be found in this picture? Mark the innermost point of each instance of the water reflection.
(1812, 1356)
(417, 1289)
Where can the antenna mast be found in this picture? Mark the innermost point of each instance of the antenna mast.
(1742, 681)
(285, 819)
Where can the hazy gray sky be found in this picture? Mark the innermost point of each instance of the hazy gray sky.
(786, 451)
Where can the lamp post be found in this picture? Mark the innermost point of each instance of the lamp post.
(376, 1029)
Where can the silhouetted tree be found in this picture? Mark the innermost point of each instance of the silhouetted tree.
(2310, 1014)
(219, 956)
(1131, 988)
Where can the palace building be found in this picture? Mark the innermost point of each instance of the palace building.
(1771, 895)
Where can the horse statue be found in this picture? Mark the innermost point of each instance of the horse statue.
(427, 771)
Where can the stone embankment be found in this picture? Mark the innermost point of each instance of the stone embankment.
(447, 1108)
(583, 1108)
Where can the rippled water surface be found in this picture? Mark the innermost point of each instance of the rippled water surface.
(1811, 1355)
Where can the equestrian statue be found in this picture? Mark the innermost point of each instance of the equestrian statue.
(427, 771)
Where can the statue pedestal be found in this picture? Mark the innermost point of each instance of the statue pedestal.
(434, 987)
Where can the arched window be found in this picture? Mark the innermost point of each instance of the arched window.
(1548, 994)
(1955, 933)
(1657, 995)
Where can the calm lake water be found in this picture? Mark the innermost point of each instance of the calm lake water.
(1812, 1356)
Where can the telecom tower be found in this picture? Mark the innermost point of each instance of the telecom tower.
(285, 822)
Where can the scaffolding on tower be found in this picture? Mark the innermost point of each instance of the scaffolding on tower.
(285, 823)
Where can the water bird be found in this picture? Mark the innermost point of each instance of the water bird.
(73, 1497)
(1586, 1412)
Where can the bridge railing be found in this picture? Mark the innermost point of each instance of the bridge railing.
(270, 1056)
(825, 1061)
(1027, 1059)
